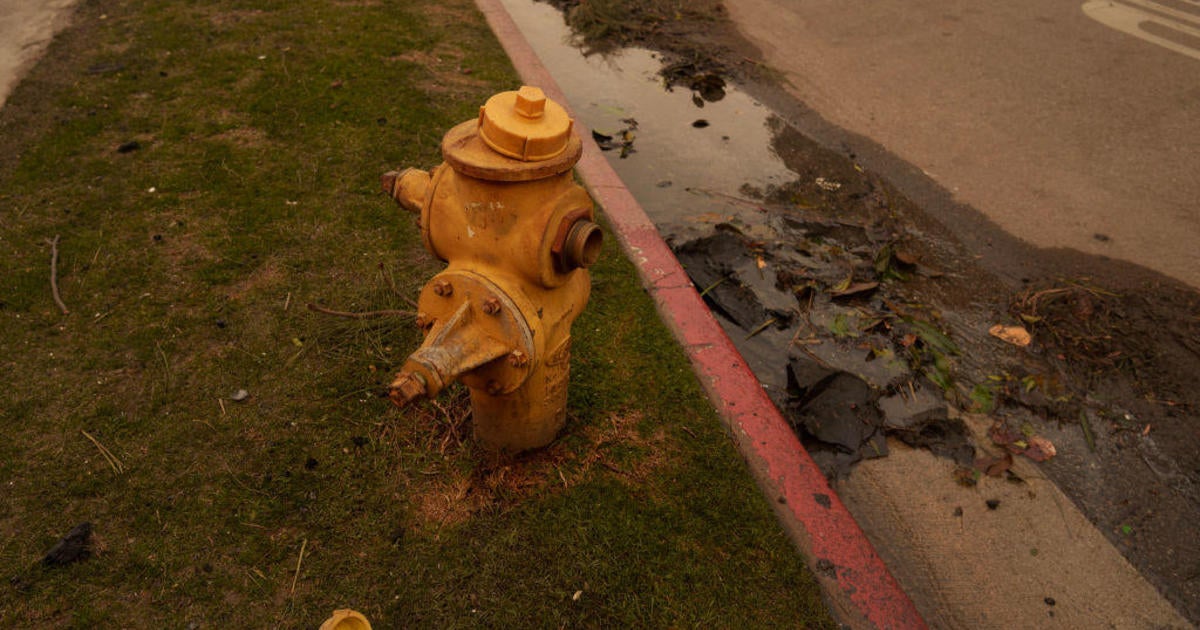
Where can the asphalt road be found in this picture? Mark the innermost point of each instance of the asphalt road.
(1066, 124)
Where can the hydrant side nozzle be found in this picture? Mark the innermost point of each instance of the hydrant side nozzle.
(577, 243)
(582, 247)
(407, 187)
(406, 388)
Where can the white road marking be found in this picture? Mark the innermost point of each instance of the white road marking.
(1132, 16)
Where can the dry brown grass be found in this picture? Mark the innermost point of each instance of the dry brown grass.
(462, 482)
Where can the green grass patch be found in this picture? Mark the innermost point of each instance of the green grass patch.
(261, 131)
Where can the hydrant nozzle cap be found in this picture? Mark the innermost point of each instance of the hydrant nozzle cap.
(525, 125)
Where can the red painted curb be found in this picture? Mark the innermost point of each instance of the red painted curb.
(857, 584)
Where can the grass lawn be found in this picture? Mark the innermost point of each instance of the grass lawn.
(186, 261)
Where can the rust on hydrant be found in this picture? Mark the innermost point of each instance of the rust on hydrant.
(517, 234)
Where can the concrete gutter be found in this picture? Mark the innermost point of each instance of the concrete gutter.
(857, 584)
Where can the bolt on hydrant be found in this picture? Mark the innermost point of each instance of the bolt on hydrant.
(517, 234)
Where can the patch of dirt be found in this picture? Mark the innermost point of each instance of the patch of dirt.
(243, 137)
(462, 482)
(698, 48)
(224, 19)
(266, 275)
(443, 15)
(447, 74)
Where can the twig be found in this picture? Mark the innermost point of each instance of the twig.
(288, 301)
(1087, 431)
(761, 327)
(295, 577)
(391, 282)
(54, 274)
(712, 286)
(562, 476)
(364, 315)
(116, 464)
(721, 195)
(613, 468)
(240, 482)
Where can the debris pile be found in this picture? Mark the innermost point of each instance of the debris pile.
(847, 358)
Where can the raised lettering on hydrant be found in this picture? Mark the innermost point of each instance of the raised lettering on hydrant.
(517, 235)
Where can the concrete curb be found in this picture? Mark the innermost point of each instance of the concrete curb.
(859, 588)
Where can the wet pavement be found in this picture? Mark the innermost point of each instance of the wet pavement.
(681, 161)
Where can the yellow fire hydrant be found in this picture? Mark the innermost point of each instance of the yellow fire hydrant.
(518, 235)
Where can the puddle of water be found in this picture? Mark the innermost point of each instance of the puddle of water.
(685, 176)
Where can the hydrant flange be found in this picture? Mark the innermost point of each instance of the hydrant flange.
(473, 329)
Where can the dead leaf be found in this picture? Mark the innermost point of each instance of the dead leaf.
(1016, 335)
(1040, 449)
(905, 257)
(1003, 434)
(994, 466)
(843, 285)
(852, 289)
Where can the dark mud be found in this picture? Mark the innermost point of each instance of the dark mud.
(864, 304)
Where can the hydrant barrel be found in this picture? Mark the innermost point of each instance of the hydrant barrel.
(517, 235)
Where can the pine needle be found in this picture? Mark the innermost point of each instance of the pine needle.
(299, 560)
(116, 464)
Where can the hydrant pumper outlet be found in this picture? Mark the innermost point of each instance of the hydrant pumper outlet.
(517, 234)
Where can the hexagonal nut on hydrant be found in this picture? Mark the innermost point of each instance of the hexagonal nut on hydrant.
(442, 288)
(518, 359)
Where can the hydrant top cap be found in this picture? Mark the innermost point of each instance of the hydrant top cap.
(525, 125)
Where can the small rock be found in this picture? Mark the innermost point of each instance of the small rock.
(904, 410)
(826, 567)
(827, 185)
(72, 548)
(1050, 601)
(240, 395)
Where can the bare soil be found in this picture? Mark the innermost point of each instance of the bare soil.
(872, 304)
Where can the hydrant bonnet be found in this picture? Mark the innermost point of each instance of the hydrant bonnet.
(525, 125)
